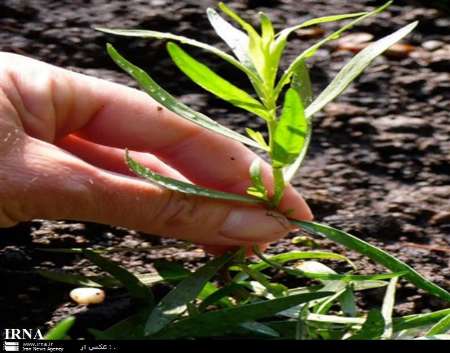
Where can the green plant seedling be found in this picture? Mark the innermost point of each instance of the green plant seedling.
(287, 104)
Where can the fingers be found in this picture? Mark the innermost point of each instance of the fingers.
(113, 159)
(120, 117)
(49, 183)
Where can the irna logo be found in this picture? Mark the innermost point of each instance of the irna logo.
(22, 334)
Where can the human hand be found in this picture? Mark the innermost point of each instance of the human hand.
(62, 141)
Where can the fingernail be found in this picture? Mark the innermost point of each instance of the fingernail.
(254, 225)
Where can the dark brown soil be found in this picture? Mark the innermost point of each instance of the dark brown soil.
(378, 166)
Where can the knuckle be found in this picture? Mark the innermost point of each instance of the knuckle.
(177, 209)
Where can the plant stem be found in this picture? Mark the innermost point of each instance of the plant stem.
(277, 172)
(279, 185)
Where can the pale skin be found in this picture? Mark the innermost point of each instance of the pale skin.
(62, 142)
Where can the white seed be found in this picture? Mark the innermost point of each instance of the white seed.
(87, 295)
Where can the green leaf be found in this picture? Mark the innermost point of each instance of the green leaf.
(279, 44)
(267, 32)
(135, 287)
(400, 323)
(348, 302)
(324, 306)
(184, 40)
(285, 78)
(316, 21)
(356, 65)
(174, 303)
(224, 292)
(374, 253)
(275, 289)
(181, 186)
(443, 326)
(290, 132)
(257, 189)
(301, 83)
(388, 308)
(435, 337)
(213, 83)
(59, 332)
(344, 277)
(258, 137)
(171, 272)
(418, 320)
(172, 104)
(255, 49)
(334, 319)
(80, 280)
(364, 285)
(321, 271)
(300, 255)
(219, 322)
(130, 328)
(259, 329)
(372, 328)
(233, 37)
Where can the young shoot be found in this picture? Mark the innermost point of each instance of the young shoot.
(284, 100)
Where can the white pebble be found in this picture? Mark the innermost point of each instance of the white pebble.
(87, 295)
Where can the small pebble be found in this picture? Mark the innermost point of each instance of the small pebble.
(86, 296)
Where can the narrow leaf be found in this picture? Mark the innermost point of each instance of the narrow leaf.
(388, 308)
(334, 319)
(279, 44)
(174, 303)
(181, 186)
(372, 328)
(400, 323)
(255, 49)
(172, 104)
(59, 332)
(235, 38)
(418, 320)
(267, 32)
(301, 83)
(184, 40)
(316, 21)
(443, 326)
(275, 289)
(80, 280)
(348, 302)
(171, 272)
(219, 322)
(356, 65)
(260, 329)
(213, 83)
(323, 307)
(322, 272)
(285, 78)
(257, 189)
(135, 287)
(300, 255)
(374, 253)
(130, 328)
(228, 290)
(258, 137)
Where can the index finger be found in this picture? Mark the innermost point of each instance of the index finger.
(117, 116)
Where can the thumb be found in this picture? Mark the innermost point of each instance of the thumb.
(61, 186)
